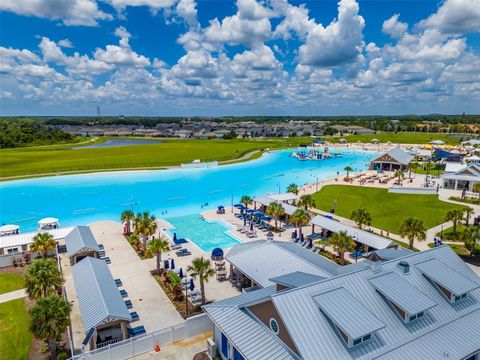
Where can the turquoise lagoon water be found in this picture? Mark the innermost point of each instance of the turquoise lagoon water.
(82, 199)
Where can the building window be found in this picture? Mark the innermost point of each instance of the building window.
(367, 337)
(274, 326)
(357, 341)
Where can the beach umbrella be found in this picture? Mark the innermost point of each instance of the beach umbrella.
(217, 254)
(172, 264)
(180, 273)
(302, 238)
(192, 285)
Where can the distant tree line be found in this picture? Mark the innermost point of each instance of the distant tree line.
(28, 132)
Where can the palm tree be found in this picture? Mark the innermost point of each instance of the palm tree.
(201, 269)
(455, 216)
(157, 247)
(127, 217)
(471, 237)
(306, 201)
(246, 200)
(341, 242)
(412, 228)
(42, 278)
(412, 165)
(50, 317)
(348, 169)
(293, 188)
(361, 217)
(399, 174)
(275, 210)
(300, 218)
(43, 243)
(145, 225)
(468, 212)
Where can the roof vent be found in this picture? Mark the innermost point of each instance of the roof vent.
(405, 266)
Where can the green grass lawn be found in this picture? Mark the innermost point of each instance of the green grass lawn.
(388, 210)
(401, 137)
(15, 336)
(51, 159)
(459, 249)
(11, 282)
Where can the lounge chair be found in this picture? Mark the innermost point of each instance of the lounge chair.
(183, 252)
(123, 293)
(101, 247)
(101, 253)
(134, 316)
(139, 330)
(175, 247)
(128, 304)
(107, 260)
(315, 250)
(118, 282)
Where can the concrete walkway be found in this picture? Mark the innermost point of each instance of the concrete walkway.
(13, 295)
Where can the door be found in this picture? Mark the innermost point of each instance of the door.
(224, 346)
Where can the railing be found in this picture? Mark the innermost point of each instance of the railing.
(138, 345)
(105, 343)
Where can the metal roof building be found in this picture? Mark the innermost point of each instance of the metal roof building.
(283, 258)
(27, 238)
(357, 315)
(98, 297)
(367, 238)
(395, 158)
(80, 242)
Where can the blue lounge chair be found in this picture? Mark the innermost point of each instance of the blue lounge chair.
(139, 330)
(101, 247)
(101, 253)
(118, 282)
(356, 254)
(315, 250)
(123, 293)
(134, 316)
(107, 259)
(128, 304)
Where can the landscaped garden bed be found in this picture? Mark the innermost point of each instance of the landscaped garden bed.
(137, 246)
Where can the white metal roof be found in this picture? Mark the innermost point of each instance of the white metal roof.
(283, 197)
(263, 260)
(400, 292)
(264, 200)
(80, 239)
(315, 338)
(296, 279)
(452, 167)
(361, 236)
(27, 238)
(446, 276)
(247, 335)
(289, 209)
(98, 297)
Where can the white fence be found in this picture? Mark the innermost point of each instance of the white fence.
(138, 345)
(412, 190)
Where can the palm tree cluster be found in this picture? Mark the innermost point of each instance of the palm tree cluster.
(300, 218)
(293, 188)
(144, 225)
(361, 217)
(157, 247)
(341, 242)
(246, 200)
(276, 211)
(43, 243)
(455, 216)
(306, 201)
(50, 316)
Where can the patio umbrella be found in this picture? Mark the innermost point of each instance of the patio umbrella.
(172, 264)
(192, 285)
(217, 254)
(166, 264)
(302, 238)
(251, 226)
(180, 273)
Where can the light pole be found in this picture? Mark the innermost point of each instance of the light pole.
(186, 295)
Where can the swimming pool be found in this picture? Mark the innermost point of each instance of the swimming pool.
(206, 235)
(82, 199)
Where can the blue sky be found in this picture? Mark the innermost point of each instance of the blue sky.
(244, 57)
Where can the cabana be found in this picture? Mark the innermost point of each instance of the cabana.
(48, 223)
(392, 160)
(80, 244)
(104, 314)
(369, 240)
(9, 230)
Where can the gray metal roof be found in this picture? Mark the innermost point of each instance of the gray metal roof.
(249, 337)
(390, 254)
(283, 197)
(98, 296)
(361, 236)
(447, 277)
(247, 298)
(399, 155)
(263, 260)
(315, 338)
(264, 200)
(297, 279)
(399, 291)
(349, 314)
(80, 239)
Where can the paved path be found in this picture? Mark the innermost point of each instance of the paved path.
(13, 295)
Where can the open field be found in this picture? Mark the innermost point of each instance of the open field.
(388, 210)
(11, 282)
(57, 159)
(15, 336)
(401, 138)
